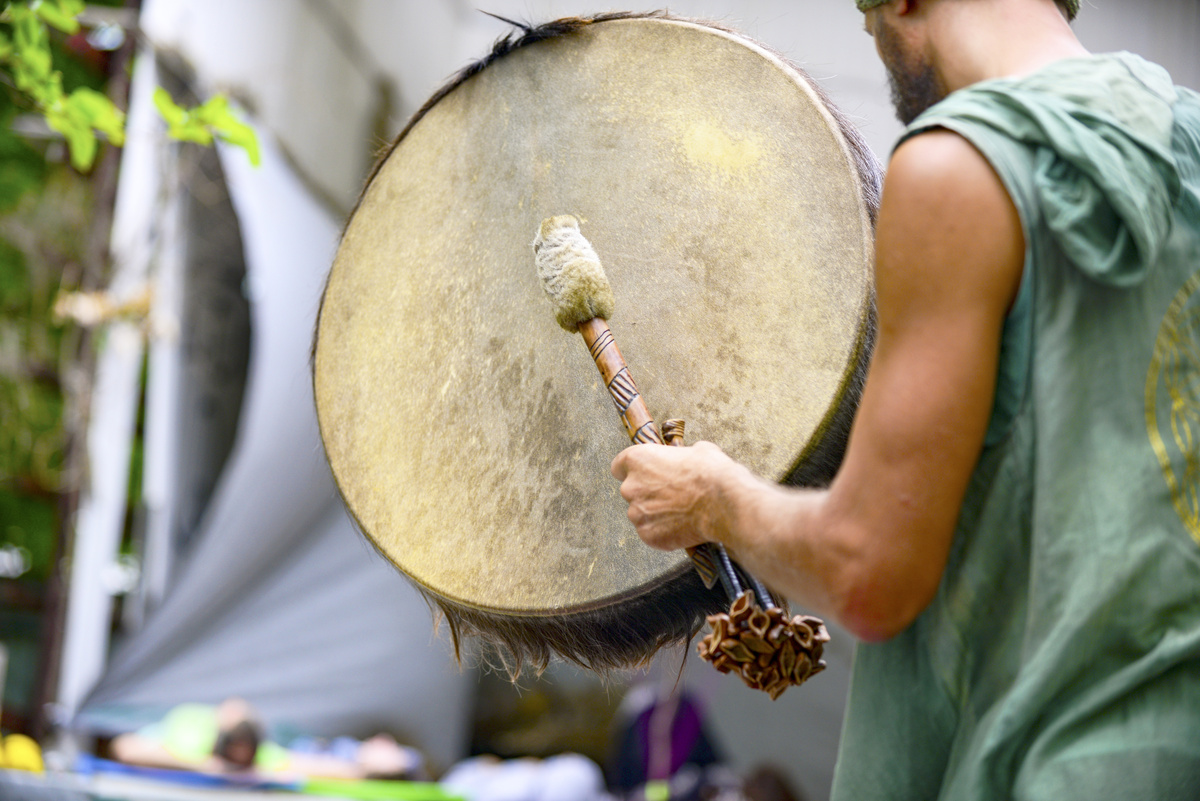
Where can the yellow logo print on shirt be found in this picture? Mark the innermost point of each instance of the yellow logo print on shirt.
(1173, 403)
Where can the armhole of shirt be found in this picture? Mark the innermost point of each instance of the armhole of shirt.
(1016, 344)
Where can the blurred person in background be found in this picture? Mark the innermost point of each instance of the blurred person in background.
(230, 738)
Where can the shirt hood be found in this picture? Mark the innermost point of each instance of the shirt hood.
(1100, 129)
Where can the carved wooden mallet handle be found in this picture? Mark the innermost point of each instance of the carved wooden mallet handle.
(637, 419)
(583, 300)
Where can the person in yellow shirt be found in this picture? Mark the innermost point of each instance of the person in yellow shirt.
(230, 738)
(214, 739)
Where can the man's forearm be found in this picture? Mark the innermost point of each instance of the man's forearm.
(787, 537)
(826, 550)
(775, 533)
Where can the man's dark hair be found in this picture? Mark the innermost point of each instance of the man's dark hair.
(1066, 8)
(238, 744)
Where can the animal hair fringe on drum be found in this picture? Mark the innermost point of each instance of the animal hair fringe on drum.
(600, 640)
(604, 639)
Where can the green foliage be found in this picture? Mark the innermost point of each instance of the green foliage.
(60, 13)
(31, 434)
(80, 115)
(31, 450)
(203, 122)
(28, 521)
(84, 115)
(37, 74)
(15, 287)
(22, 169)
(42, 234)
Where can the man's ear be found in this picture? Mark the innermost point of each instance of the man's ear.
(905, 7)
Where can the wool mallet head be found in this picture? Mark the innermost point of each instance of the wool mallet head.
(571, 273)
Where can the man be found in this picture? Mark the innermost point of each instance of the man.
(1015, 528)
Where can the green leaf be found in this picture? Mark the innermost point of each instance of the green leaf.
(201, 123)
(217, 114)
(242, 136)
(98, 112)
(82, 145)
(27, 29)
(212, 111)
(29, 34)
(170, 112)
(191, 131)
(56, 15)
(95, 104)
(32, 64)
(32, 70)
(81, 142)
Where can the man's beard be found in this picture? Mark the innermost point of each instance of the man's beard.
(914, 92)
(913, 82)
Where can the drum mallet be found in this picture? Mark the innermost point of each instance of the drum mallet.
(755, 638)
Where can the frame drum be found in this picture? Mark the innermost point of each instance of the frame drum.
(471, 438)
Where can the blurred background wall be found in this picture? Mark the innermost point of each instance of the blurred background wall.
(335, 79)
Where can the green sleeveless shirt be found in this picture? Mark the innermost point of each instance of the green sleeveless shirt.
(1060, 658)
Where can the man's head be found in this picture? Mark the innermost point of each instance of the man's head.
(238, 734)
(1069, 7)
(908, 50)
(236, 747)
(912, 79)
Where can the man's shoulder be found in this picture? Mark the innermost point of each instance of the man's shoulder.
(942, 172)
(937, 153)
(947, 221)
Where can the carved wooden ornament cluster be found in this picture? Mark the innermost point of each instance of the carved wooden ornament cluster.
(766, 649)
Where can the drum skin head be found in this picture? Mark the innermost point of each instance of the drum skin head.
(469, 435)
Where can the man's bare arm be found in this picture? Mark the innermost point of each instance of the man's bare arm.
(870, 550)
(135, 749)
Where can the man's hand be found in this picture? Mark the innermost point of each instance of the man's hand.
(674, 494)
